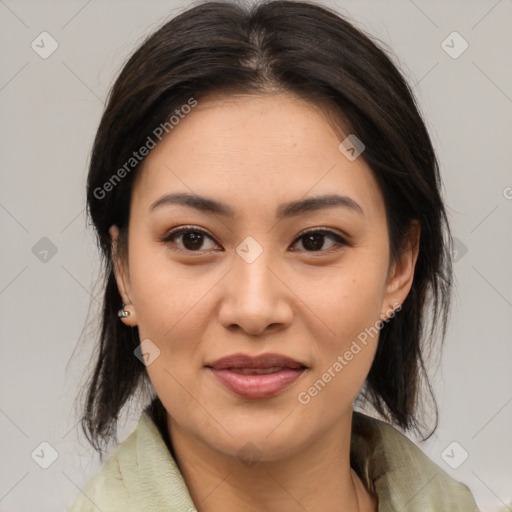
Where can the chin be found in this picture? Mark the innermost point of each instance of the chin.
(260, 440)
(251, 450)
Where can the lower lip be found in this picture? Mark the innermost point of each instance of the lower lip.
(258, 386)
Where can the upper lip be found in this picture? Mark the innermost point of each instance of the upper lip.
(262, 361)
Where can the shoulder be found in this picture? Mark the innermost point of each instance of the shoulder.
(140, 476)
(401, 475)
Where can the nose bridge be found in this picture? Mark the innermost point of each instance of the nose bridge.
(255, 280)
(256, 296)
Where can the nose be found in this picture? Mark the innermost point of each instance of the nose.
(256, 299)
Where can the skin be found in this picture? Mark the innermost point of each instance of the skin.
(254, 153)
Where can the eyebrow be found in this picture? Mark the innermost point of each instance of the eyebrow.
(285, 210)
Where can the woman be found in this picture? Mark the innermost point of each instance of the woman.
(267, 201)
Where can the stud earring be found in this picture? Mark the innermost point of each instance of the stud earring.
(122, 313)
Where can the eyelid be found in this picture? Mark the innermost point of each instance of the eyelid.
(340, 239)
(185, 229)
(322, 230)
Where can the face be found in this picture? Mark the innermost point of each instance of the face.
(256, 278)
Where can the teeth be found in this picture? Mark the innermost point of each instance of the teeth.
(256, 371)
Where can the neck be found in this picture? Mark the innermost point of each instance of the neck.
(318, 477)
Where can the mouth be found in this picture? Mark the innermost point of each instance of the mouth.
(257, 377)
(257, 371)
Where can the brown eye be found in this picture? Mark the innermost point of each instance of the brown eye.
(192, 239)
(313, 241)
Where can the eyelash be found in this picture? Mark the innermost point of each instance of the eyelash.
(317, 231)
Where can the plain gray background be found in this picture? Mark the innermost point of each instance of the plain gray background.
(49, 262)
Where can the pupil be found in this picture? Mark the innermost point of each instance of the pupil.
(313, 246)
(194, 238)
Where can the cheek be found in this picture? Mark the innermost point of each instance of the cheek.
(354, 294)
(351, 308)
(166, 300)
(342, 362)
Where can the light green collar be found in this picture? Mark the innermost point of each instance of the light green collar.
(142, 476)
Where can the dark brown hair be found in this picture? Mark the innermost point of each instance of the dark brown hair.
(276, 46)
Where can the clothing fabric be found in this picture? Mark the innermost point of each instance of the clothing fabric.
(142, 475)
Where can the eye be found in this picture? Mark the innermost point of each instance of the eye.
(313, 240)
(192, 238)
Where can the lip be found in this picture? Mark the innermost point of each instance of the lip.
(258, 362)
(245, 375)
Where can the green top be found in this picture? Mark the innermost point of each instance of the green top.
(142, 476)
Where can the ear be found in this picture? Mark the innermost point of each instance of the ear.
(401, 274)
(122, 280)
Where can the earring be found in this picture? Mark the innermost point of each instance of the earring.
(122, 313)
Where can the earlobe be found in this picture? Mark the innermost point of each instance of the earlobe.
(391, 311)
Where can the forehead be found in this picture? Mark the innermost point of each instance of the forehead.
(255, 150)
